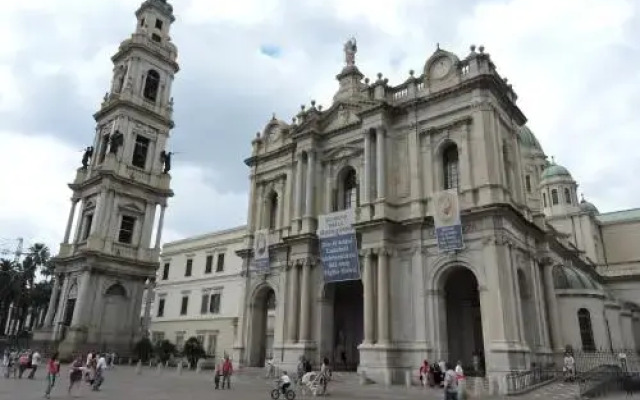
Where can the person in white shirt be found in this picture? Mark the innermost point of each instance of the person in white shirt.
(101, 366)
(459, 370)
(285, 382)
(35, 361)
(450, 384)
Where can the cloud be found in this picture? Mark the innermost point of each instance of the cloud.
(573, 64)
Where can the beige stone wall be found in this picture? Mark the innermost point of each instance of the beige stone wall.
(222, 328)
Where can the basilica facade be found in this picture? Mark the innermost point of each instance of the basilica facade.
(540, 269)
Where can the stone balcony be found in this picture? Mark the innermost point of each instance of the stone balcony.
(96, 244)
(111, 164)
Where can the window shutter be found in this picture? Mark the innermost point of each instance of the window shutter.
(205, 302)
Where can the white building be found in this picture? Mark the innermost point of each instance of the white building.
(199, 291)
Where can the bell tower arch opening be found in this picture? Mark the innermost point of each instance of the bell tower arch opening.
(464, 335)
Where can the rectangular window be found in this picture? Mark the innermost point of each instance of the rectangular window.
(214, 305)
(103, 148)
(189, 267)
(161, 307)
(209, 264)
(204, 306)
(180, 340)
(212, 344)
(157, 337)
(126, 229)
(158, 23)
(140, 152)
(156, 38)
(527, 180)
(88, 221)
(220, 264)
(165, 271)
(184, 305)
(200, 339)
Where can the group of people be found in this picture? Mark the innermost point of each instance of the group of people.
(15, 363)
(305, 376)
(443, 374)
(223, 372)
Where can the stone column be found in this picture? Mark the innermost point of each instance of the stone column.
(552, 302)
(76, 235)
(311, 161)
(7, 326)
(62, 304)
(147, 307)
(72, 213)
(160, 224)
(252, 192)
(369, 307)
(381, 170)
(55, 292)
(147, 225)
(543, 320)
(366, 187)
(383, 297)
(293, 304)
(305, 303)
(260, 210)
(81, 302)
(298, 206)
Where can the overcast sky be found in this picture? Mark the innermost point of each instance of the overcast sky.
(575, 65)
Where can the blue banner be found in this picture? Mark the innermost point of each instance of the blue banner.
(449, 238)
(338, 246)
(447, 221)
(339, 255)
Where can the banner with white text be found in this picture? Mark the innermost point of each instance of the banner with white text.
(261, 249)
(338, 246)
(448, 227)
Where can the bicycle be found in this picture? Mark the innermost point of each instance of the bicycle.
(289, 394)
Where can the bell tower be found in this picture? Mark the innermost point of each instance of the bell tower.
(120, 196)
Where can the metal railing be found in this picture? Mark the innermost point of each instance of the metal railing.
(519, 382)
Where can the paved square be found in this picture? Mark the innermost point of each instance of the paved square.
(123, 383)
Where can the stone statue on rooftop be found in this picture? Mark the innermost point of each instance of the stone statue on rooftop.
(350, 50)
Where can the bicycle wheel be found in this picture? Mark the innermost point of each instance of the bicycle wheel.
(291, 395)
(275, 394)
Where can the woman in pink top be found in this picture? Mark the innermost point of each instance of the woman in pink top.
(53, 369)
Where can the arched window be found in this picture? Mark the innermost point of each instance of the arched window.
(271, 300)
(567, 196)
(450, 166)
(116, 290)
(349, 189)
(586, 331)
(554, 196)
(544, 199)
(151, 85)
(273, 210)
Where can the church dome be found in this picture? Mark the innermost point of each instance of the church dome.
(588, 207)
(555, 170)
(565, 277)
(528, 139)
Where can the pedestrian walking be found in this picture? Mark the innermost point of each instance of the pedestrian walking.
(227, 371)
(75, 374)
(53, 369)
(101, 367)
(35, 362)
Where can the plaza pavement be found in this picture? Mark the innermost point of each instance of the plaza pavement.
(122, 383)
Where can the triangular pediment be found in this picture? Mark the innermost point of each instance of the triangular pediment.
(342, 152)
(340, 116)
(132, 207)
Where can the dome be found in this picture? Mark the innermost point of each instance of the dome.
(565, 277)
(528, 139)
(555, 170)
(588, 207)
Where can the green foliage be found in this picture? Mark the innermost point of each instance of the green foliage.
(164, 350)
(193, 350)
(143, 349)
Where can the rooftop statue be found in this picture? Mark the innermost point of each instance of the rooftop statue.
(350, 50)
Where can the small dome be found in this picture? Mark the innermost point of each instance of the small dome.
(588, 207)
(574, 278)
(528, 139)
(555, 170)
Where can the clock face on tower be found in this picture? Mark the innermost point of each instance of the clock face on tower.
(440, 68)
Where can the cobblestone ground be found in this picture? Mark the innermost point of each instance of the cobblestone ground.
(123, 383)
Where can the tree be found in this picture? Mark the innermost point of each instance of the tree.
(143, 349)
(193, 350)
(164, 350)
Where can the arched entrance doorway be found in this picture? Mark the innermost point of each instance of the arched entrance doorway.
(113, 317)
(263, 309)
(464, 320)
(343, 324)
